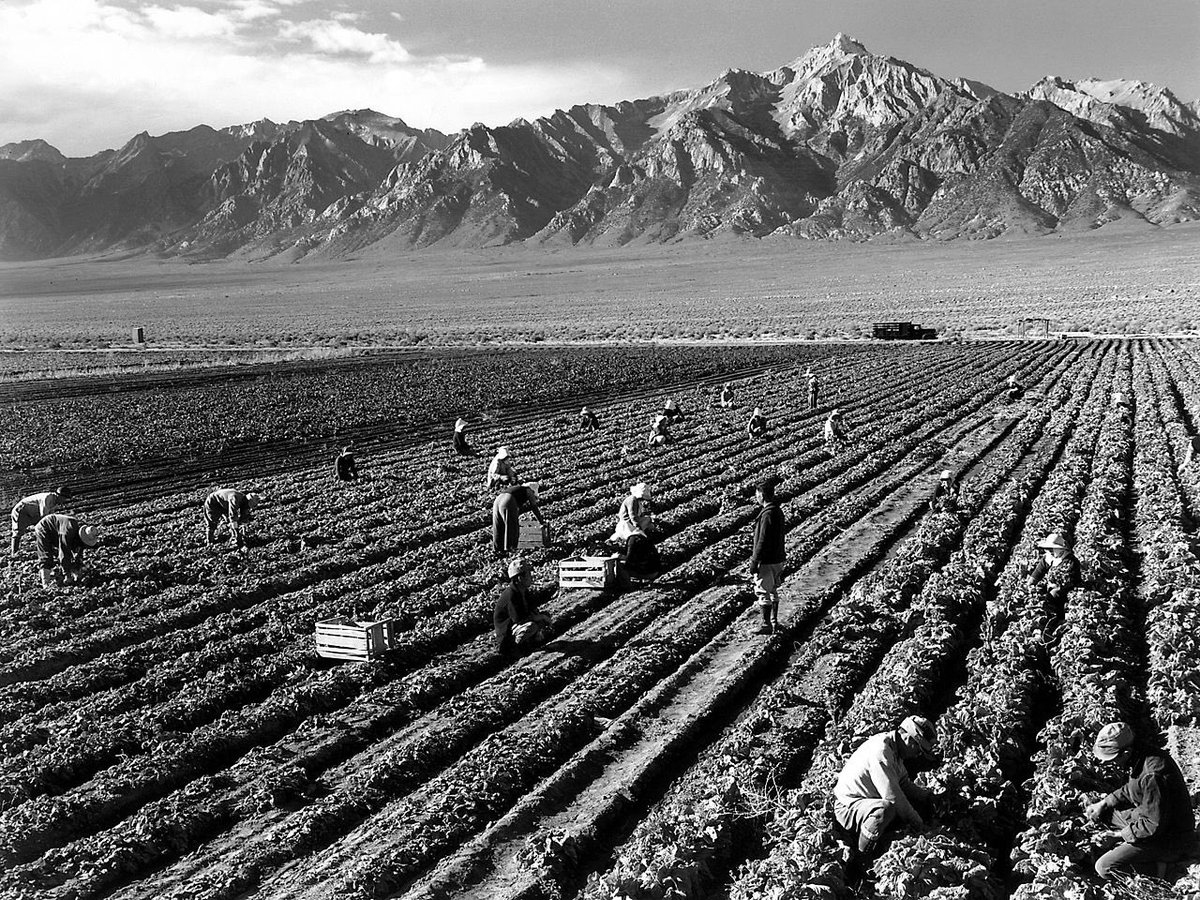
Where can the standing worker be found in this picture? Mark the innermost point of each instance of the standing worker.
(813, 388)
(873, 788)
(506, 515)
(344, 467)
(28, 511)
(945, 495)
(834, 431)
(461, 447)
(500, 470)
(726, 396)
(588, 421)
(61, 541)
(660, 433)
(1151, 814)
(640, 559)
(757, 426)
(767, 558)
(232, 506)
(515, 620)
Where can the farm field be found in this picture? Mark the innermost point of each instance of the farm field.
(169, 732)
(1111, 282)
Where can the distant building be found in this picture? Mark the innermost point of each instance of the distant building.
(902, 331)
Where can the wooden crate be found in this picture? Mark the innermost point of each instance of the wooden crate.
(344, 638)
(533, 534)
(595, 572)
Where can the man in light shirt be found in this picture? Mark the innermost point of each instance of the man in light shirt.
(30, 510)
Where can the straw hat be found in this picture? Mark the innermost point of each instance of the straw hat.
(460, 424)
(1112, 739)
(946, 475)
(835, 413)
(641, 490)
(502, 453)
(921, 731)
(517, 566)
(89, 534)
(1054, 541)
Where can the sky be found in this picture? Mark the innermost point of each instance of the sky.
(87, 75)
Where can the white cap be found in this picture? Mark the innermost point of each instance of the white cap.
(502, 453)
(946, 475)
(89, 534)
(460, 424)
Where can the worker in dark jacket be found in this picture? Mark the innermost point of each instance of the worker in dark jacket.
(344, 467)
(1057, 571)
(61, 542)
(726, 396)
(640, 559)
(515, 620)
(1151, 814)
(672, 411)
(461, 447)
(813, 388)
(945, 495)
(1013, 391)
(227, 504)
(28, 511)
(767, 558)
(588, 421)
(1192, 454)
(757, 426)
(513, 500)
(660, 431)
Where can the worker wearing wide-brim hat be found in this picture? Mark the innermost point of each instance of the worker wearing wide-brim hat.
(588, 420)
(500, 470)
(1057, 570)
(1151, 814)
(726, 395)
(516, 622)
(345, 466)
(513, 500)
(461, 447)
(62, 541)
(672, 411)
(945, 494)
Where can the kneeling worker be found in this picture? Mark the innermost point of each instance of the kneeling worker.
(1151, 814)
(232, 506)
(461, 447)
(515, 619)
(757, 426)
(640, 559)
(588, 420)
(874, 789)
(345, 468)
(61, 541)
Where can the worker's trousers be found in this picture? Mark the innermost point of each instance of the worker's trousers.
(1134, 856)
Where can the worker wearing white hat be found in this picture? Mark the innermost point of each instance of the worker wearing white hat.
(813, 388)
(672, 411)
(640, 559)
(516, 622)
(873, 789)
(30, 510)
(500, 470)
(61, 543)
(461, 447)
(756, 427)
(660, 433)
(1057, 570)
(945, 494)
(834, 430)
(1152, 813)
(588, 420)
(513, 500)
(232, 506)
(726, 396)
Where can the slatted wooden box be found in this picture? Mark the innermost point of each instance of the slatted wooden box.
(594, 572)
(533, 534)
(344, 638)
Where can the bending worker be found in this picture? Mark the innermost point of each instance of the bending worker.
(506, 514)
(28, 511)
(345, 468)
(1151, 814)
(500, 470)
(873, 789)
(588, 420)
(461, 447)
(660, 433)
(672, 411)
(945, 495)
(834, 430)
(515, 620)
(233, 507)
(757, 426)
(1058, 567)
(634, 519)
(61, 541)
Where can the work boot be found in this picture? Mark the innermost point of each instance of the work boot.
(765, 627)
(15, 545)
(775, 614)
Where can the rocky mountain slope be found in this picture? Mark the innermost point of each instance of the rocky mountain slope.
(838, 144)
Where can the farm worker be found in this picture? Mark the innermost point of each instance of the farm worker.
(28, 511)
(767, 557)
(1193, 450)
(672, 411)
(506, 514)
(874, 789)
(344, 467)
(461, 447)
(1121, 402)
(641, 559)
(1014, 390)
(813, 388)
(233, 506)
(515, 619)
(1057, 567)
(945, 495)
(726, 395)
(500, 470)
(659, 432)
(588, 420)
(834, 430)
(1151, 814)
(757, 426)
(61, 541)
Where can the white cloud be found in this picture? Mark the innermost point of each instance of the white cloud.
(89, 74)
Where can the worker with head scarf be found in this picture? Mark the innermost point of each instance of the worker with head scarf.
(510, 503)
(500, 470)
(345, 467)
(461, 447)
(640, 559)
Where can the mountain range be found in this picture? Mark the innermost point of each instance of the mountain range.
(839, 144)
